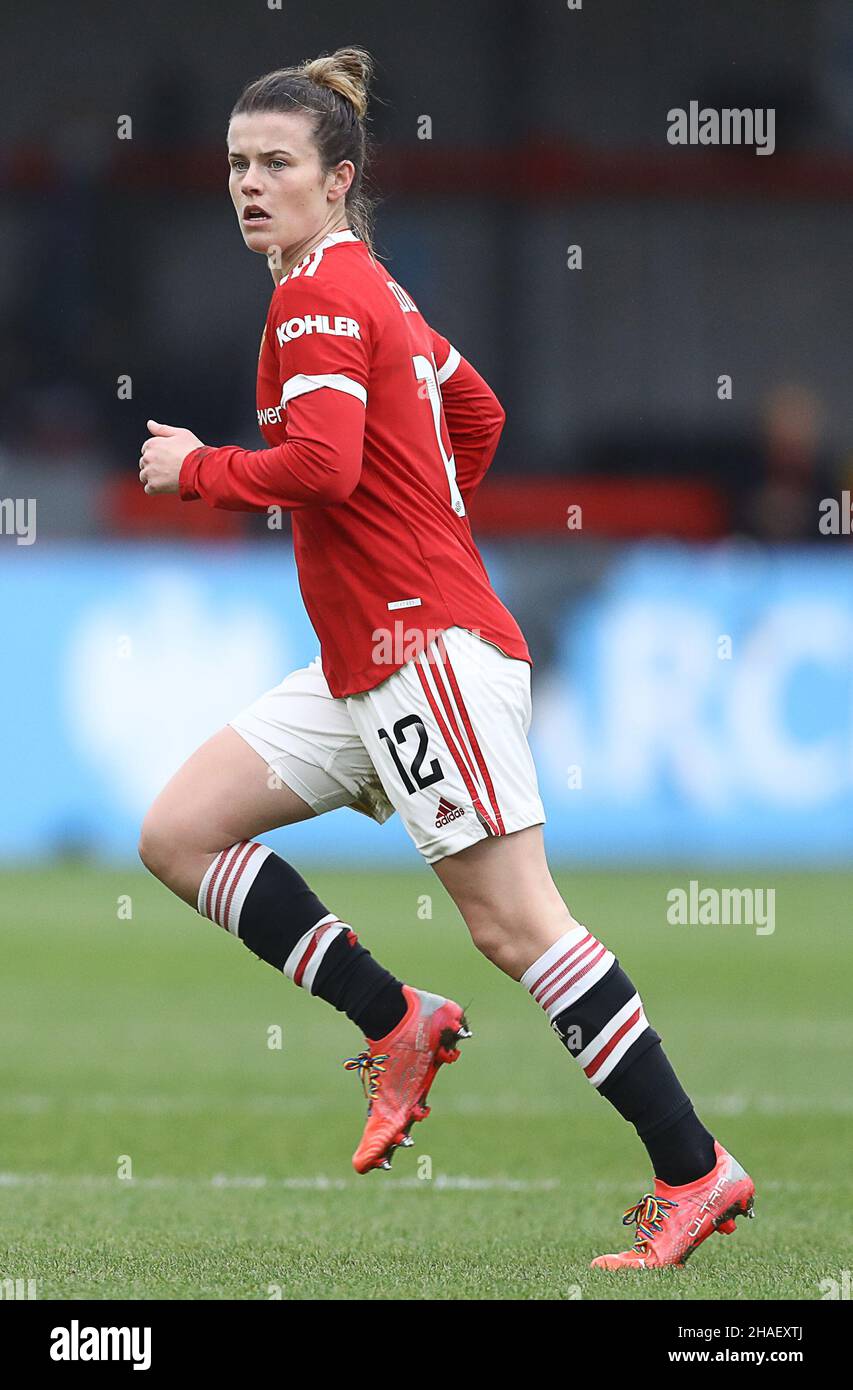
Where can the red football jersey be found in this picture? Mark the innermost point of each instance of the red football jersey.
(379, 433)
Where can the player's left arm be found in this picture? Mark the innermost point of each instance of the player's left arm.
(474, 415)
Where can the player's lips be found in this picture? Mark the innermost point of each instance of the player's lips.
(253, 214)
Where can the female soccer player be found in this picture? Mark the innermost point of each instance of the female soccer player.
(378, 434)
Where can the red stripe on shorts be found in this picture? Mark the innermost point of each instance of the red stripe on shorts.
(466, 719)
(460, 762)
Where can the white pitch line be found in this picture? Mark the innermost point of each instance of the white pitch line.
(203, 1103)
(738, 1104)
(319, 1183)
(230, 1182)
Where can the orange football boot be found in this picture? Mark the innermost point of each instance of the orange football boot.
(398, 1070)
(673, 1221)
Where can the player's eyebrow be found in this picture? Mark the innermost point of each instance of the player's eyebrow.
(265, 154)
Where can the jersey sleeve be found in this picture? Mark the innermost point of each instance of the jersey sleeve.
(474, 415)
(321, 339)
(322, 351)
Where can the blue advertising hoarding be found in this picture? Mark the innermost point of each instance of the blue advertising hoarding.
(700, 706)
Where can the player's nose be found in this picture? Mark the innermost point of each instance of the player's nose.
(251, 181)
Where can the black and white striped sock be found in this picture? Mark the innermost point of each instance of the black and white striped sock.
(597, 1013)
(260, 898)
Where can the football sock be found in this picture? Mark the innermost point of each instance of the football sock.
(598, 1015)
(261, 899)
(650, 1095)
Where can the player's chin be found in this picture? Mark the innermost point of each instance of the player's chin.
(258, 237)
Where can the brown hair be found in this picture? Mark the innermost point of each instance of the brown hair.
(333, 89)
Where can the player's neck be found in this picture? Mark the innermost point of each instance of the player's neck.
(295, 254)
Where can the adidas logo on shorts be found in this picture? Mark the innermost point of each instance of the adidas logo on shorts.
(447, 812)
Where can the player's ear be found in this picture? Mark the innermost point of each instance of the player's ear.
(341, 179)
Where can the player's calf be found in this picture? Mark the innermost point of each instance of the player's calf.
(258, 897)
(261, 899)
(265, 903)
(599, 1016)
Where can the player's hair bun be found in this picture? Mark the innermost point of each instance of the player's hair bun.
(347, 71)
(332, 90)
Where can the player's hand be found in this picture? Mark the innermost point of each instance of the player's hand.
(162, 456)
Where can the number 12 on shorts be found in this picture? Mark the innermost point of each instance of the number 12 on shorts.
(413, 779)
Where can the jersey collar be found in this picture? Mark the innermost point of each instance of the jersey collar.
(333, 239)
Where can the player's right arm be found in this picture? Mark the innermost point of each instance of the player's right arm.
(323, 375)
(319, 464)
(474, 415)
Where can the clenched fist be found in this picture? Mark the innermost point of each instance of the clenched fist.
(162, 456)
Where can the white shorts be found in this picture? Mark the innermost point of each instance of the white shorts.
(443, 741)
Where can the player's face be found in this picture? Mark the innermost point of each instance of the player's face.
(278, 188)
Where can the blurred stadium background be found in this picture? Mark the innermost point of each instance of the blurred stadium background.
(699, 515)
(693, 640)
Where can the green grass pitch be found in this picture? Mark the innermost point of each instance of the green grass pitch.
(146, 1041)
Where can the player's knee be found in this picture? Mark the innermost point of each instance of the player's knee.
(149, 846)
(489, 933)
(511, 933)
(159, 846)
